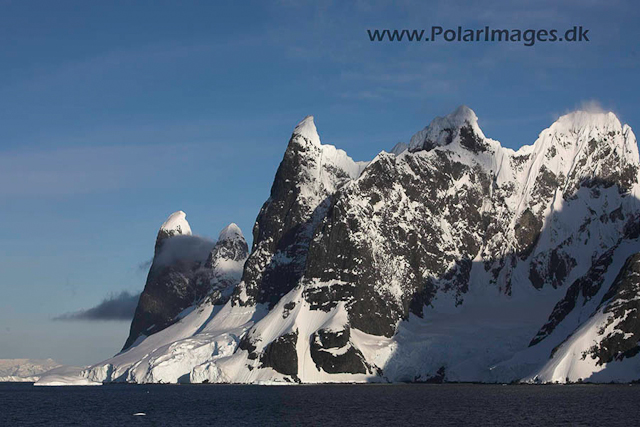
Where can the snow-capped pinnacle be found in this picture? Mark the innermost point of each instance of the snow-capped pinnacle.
(231, 247)
(307, 129)
(231, 232)
(440, 130)
(176, 224)
(460, 116)
(579, 121)
(587, 134)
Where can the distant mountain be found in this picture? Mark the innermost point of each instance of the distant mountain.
(450, 258)
(25, 370)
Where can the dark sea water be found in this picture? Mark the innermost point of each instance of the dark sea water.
(365, 405)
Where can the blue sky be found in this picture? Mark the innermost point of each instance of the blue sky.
(115, 114)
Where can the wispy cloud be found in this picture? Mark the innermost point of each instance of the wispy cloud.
(80, 170)
(119, 307)
(588, 105)
(91, 71)
(592, 106)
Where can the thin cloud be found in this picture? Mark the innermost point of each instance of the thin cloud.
(184, 248)
(82, 170)
(592, 106)
(119, 307)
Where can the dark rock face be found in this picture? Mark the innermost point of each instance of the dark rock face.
(168, 291)
(248, 344)
(233, 248)
(287, 309)
(583, 289)
(527, 232)
(471, 141)
(286, 222)
(622, 304)
(341, 252)
(612, 171)
(444, 130)
(551, 268)
(333, 353)
(281, 355)
(185, 270)
(215, 275)
(545, 186)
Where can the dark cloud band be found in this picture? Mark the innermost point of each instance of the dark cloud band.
(119, 307)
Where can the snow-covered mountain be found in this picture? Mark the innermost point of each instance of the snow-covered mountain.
(450, 258)
(186, 269)
(24, 370)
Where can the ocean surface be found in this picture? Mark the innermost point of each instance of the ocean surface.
(339, 405)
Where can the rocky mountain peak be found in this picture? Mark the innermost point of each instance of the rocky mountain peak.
(176, 224)
(307, 129)
(185, 270)
(462, 123)
(231, 245)
(582, 149)
(231, 232)
(584, 131)
(459, 116)
(581, 121)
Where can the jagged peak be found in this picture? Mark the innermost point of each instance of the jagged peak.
(176, 224)
(231, 245)
(581, 120)
(325, 153)
(577, 129)
(461, 115)
(438, 133)
(307, 129)
(231, 232)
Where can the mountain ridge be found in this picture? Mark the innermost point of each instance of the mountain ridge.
(375, 271)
